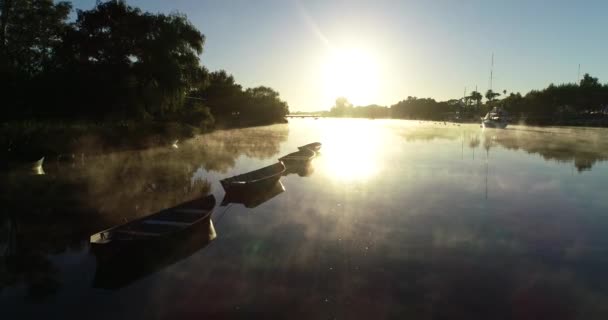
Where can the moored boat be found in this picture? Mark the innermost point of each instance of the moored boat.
(27, 167)
(496, 118)
(315, 146)
(119, 270)
(36, 166)
(259, 179)
(161, 227)
(302, 156)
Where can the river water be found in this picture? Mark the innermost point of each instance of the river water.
(394, 219)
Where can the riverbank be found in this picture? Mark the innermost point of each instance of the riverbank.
(25, 141)
(591, 121)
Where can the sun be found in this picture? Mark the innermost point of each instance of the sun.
(343, 158)
(351, 73)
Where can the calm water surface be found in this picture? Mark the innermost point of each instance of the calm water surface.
(394, 219)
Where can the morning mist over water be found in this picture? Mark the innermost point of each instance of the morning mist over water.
(511, 216)
(303, 160)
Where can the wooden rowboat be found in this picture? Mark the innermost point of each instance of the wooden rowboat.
(156, 228)
(302, 156)
(315, 146)
(29, 167)
(260, 179)
(119, 270)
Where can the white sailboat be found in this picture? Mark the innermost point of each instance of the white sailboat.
(496, 118)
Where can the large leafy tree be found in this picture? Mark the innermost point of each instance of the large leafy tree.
(265, 103)
(30, 31)
(145, 63)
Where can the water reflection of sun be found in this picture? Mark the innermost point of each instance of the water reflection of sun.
(350, 150)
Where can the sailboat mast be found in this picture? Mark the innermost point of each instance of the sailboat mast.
(491, 70)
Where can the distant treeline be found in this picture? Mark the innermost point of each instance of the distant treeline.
(115, 63)
(586, 101)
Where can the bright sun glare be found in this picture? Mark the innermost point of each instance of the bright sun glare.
(353, 74)
(342, 145)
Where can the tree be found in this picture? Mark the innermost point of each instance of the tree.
(221, 93)
(231, 105)
(127, 63)
(263, 104)
(423, 109)
(476, 96)
(5, 8)
(29, 32)
(491, 95)
(589, 82)
(342, 107)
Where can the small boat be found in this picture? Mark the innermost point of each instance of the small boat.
(253, 199)
(496, 118)
(37, 164)
(302, 156)
(315, 146)
(36, 167)
(26, 167)
(263, 178)
(160, 227)
(119, 270)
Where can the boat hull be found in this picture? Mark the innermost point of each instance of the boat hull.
(122, 267)
(142, 246)
(298, 158)
(315, 146)
(154, 230)
(262, 184)
(253, 181)
(494, 124)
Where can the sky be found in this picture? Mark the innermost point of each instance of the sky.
(381, 52)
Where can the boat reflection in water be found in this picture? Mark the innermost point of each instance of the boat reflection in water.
(302, 170)
(255, 198)
(300, 162)
(117, 271)
(128, 252)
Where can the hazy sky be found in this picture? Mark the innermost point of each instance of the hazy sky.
(383, 51)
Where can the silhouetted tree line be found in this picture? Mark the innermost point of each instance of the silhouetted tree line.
(584, 102)
(235, 106)
(343, 108)
(554, 104)
(422, 109)
(116, 62)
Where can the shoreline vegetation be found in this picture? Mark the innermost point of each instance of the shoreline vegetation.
(571, 104)
(115, 77)
(112, 77)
